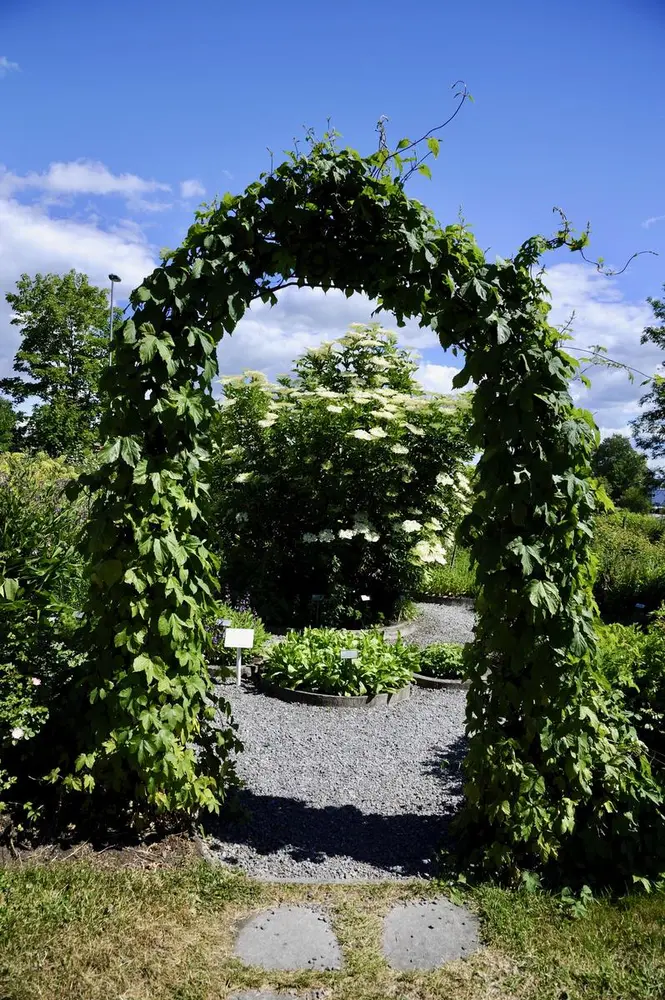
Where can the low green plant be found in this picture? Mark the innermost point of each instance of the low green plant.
(442, 660)
(311, 660)
(455, 579)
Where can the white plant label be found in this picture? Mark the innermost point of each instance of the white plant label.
(239, 638)
(349, 654)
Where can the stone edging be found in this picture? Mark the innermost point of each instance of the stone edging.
(332, 700)
(450, 683)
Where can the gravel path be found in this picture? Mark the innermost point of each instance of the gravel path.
(354, 794)
(452, 622)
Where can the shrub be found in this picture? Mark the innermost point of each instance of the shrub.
(239, 618)
(442, 659)
(631, 564)
(40, 586)
(345, 481)
(311, 660)
(633, 663)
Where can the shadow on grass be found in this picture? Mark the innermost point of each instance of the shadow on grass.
(405, 844)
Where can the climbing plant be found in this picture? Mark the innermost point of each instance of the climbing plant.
(552, 762)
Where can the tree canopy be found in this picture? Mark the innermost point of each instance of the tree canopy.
(624, 472)
(649, 427)
(64, 349)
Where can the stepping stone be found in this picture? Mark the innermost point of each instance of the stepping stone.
(427, 934)
(288, 938)
(257, 995)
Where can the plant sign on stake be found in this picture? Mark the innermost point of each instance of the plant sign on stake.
(554, 768)
(239, 639)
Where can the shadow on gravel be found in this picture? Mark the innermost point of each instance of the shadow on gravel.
(447, 765)
(403, 845)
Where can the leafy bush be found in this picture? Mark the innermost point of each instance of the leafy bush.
(631, 567)
(311, 660)
(631, 564)
(344, 481)
(239, 618)
(40, 585)
(442, 659)
(633, 662)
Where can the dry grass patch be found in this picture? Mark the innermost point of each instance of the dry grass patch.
(75, 931)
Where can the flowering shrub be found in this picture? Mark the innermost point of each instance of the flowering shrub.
(344, 481)
(312, 661)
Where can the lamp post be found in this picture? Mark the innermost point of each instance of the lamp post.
(113, 278)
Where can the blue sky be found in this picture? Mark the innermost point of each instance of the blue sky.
(117, 119)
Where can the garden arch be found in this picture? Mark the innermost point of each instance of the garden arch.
(331, 218)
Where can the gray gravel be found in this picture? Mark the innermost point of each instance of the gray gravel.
(452, 622)
(359, 794)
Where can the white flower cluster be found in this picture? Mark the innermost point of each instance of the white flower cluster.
(430, 551)
(361, 526)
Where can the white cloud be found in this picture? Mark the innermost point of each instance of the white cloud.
(192, 189)
(604, 316)
(146, 205)
(650, 222)
(7, 67)
(80, 177)
(438, 378)
(270, 339)
(31, 241)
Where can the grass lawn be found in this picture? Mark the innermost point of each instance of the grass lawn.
(73, 930)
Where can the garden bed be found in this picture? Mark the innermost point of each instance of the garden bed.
(331, 700)
(453, 683)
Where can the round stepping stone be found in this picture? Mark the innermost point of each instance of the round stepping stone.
(427, 934)
(288, 938)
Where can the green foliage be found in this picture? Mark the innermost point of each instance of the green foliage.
(344, 481)
(239, 618)
(8, 419)
(454, 579)
(636, 499)
(311, 660)
(64, 350)
(624, 472)
(631, 565)
(442, 659)
(40, 584)
(555, 772)
(633, 662)
(649, 427)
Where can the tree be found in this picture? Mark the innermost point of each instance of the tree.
(624, 471)
(64, 350)
(649, 427)
(7, 425)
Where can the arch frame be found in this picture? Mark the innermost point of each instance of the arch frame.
(331, 218)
